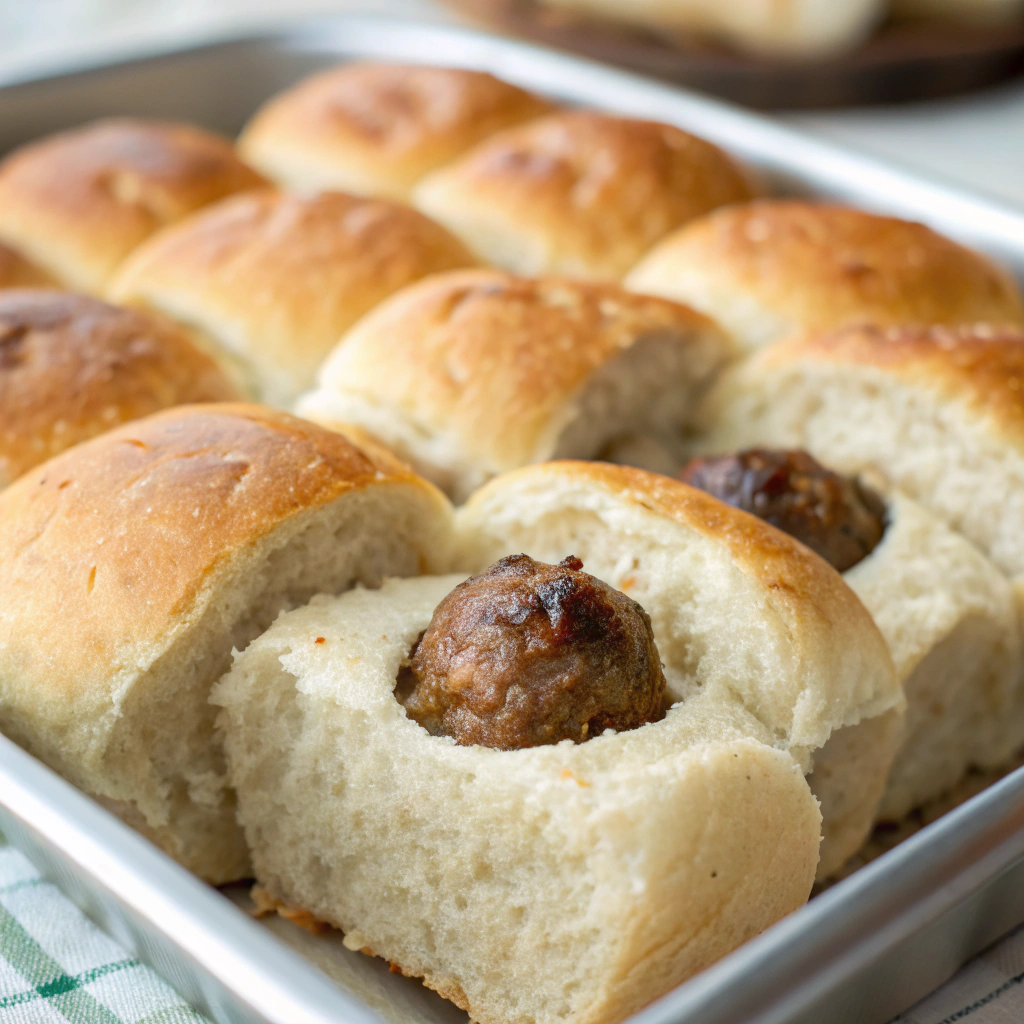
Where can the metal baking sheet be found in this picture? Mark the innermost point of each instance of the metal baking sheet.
(859, 953)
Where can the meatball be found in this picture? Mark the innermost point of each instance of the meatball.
(835, 516)
(527, 653)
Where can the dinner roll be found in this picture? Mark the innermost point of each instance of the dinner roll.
(946, 612)
(475, 372)
(78, 202)
(72, 367)
(798, 28)
(772, 268)
(566, 881)
(135, 562)
(579, 193)
(376, 129)
(17, 272)
(827, 692)
(268, 282)
(937, 412)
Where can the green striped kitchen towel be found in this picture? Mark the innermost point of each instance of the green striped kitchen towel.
(57, 966)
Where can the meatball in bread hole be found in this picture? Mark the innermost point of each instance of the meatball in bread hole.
(778, 267)
(579, 193)
(268, 282)
(72, 367)
(375, 128)
(575, 873)
(78, 202)
(473, 373)
(134, 563)
(945, 610)
(937, 412)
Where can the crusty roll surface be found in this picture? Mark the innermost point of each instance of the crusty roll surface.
(134, 563)
(936, 412)
(268, 282)
(805, 28)
(18, 272)
(566, 881)
(772, 268)
(826, 691)
(472, 373)
(72, 367)
(376, 129)
(78, 202)
(579, 193)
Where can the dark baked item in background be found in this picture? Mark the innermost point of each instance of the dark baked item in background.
(377, 128)
(473, 373)
(76, 203)
(268, 282)
(72, 367)
(134, 563)
(777, 267)
(525, 653)
(579, 193)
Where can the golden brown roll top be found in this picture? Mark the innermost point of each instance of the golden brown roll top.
(472, 373)
(579, 193)
(268, 282)
(18, 272)
(376, 129)
(78, 202)
(72, 367)
(133, 563)
(773, 268)
(936, 411)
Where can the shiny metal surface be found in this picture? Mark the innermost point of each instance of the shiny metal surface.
(860, 953)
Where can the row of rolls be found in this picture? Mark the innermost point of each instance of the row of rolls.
(642, 542)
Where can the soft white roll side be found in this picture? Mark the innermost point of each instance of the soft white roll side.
(949, 619)
(566, 882)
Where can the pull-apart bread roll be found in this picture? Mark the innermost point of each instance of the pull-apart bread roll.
(473, 373)
(774, 268)
(18, 272)
(936, 412)
(579, 193)
(555, 795)
(72, 367)
(797, 28)
(946, 612)
(376, 129)
(132, 564)
(78, 202)
(268, 282)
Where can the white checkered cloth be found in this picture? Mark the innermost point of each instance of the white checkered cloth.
(57, 967)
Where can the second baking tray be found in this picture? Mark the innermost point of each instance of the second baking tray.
(857, 954)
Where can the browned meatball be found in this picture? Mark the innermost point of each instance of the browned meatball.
(527, 653)
(833, 515)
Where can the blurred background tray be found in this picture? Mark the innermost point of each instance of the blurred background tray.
(903, 61)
